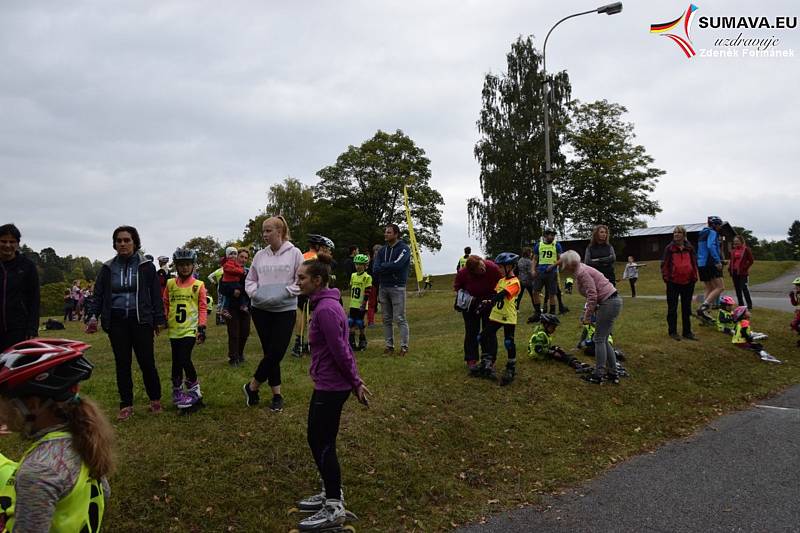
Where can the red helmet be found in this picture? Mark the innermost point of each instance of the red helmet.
(50, 368)
(739, 313)
(727, 300)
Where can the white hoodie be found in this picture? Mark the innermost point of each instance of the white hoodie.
(271, 282)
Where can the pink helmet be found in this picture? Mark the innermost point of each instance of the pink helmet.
(727, 300)
(739, 313)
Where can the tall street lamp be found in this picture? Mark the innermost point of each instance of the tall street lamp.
(610, 9)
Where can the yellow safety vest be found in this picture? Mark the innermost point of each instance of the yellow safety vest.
(184, 309)
(358, 288)
(548, 253)
(505, 311)
(81, 510)
(738, 336)
(462, 262)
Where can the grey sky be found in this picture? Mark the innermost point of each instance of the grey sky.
(108, 108)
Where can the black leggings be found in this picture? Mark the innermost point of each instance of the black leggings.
(182, 360)
(684, 292)
(526, 287)
(508, 341)
(324, 413)
(740, 283)
(274, 332)
(632, 281)
(126, 335)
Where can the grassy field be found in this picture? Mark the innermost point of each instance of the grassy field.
(436, 448)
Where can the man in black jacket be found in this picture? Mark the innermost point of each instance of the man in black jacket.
(19, 291)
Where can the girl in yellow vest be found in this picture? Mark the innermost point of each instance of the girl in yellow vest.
(186, 310)
(503, 315)
(60, 483)
(743, 335)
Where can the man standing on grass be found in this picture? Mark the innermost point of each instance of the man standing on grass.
(391, 264)
(19, 291)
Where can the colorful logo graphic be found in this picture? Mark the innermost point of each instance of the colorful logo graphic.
(685, 44)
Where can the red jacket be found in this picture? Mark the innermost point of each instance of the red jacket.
(744, 264)
(232, 271)
(679, 265)
(481, 286)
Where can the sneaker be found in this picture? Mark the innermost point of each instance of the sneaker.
(690, 337)
(125, 413)
(389, 350)
(250, 396)
(593, 378)
(403, 351)
(331, 515)
(155, 407)
(312, 503)
(675, 336)
(701, 311)
(297, 349)
(472, 363)
(612, 378)
(276, 405)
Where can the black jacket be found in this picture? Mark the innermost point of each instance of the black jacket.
(149, 306)
(19, 296)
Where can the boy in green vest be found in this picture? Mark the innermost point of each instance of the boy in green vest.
(544, 271)
(360, 288)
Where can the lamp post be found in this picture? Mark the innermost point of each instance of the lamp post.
(610, 9)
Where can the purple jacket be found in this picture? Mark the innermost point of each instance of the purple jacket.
(333, 366)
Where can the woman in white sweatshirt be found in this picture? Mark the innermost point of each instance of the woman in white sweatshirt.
(271, 285)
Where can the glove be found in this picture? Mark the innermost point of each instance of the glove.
(500, 296)
(91, 325)
(201, 334)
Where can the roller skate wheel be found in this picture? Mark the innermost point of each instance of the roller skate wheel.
(295, 530)
(291, 511)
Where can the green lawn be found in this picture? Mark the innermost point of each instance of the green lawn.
(436, 448)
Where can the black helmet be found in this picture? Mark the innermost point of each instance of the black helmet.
(547, 318)
(548, 231)
(506, 258)
(714, 220)
(314, 238)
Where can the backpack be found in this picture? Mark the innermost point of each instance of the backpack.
(53, 324)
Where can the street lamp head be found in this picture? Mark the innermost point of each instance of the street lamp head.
(610, 9)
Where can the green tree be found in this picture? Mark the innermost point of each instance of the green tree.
(794, 239)
(512, 209)
(610, 176)
(291, 199)
(209, 251)
(369, 180)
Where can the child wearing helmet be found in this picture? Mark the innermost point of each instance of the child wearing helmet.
(743, 336)
(231, 286)
(186, 309)
(503, 315)
(60, 483)
(360, 288)
(541, 345)
(794, 297)
(568, 283)
(725, 322)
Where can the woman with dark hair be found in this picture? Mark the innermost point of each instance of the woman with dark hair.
(335, 376)
(60, 482)
(739, 268)
(600, 254)
(127, 297)
(19, 290)
(477, 280)
(239, 322)
(271, 285)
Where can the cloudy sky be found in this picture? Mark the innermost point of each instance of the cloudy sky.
(176, 117)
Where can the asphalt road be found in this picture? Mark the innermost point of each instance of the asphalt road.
(741, 473)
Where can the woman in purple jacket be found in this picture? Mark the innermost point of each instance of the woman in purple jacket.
(335, 375)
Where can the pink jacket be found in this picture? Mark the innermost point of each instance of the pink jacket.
(594, 286)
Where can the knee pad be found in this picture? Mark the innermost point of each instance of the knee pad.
(508, 343)
(350, 322)
(359, 323)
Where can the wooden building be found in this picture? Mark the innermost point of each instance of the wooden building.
(648, 244)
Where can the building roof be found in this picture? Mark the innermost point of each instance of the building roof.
(664, 230)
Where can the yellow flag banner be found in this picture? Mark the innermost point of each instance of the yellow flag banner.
(414, 247)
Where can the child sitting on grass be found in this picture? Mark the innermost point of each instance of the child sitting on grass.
(743, 337)
(725, 322)
(541, 344)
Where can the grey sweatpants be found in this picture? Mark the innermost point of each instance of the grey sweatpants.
(393, 307)
(607, 312)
